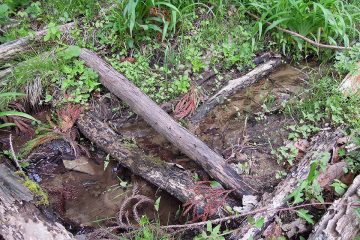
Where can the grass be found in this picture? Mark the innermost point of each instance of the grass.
(164, 47)
(331, 22)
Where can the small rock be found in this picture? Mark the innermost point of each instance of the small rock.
(81, 164)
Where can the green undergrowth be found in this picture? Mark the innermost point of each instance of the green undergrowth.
(326, 104)
(28, 16)
(333, 22)
(59, 77)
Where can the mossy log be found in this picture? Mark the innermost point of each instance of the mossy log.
(322, 143)
(235, 85)
(165, 125)
(19, 217)
(340, 221)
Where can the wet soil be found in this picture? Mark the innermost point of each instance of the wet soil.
(244, 131)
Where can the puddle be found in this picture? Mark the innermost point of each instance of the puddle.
(235, 130)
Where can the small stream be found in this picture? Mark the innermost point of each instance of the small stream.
(237, 130)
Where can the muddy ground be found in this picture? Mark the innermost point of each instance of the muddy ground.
(244, 131)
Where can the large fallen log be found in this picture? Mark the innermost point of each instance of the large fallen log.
(321, 143)
(13, 49)
(340, 221)
(19, 218)
(156, 117)
(235, 85)
(165, 176)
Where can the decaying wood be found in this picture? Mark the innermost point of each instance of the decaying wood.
(14, 49)
(5, 72)
(340, 221)
(156, 117)
(19, 218)
(167, 177)
(321, 143)
(235, 85)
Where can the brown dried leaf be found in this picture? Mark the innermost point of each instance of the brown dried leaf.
(332, 172)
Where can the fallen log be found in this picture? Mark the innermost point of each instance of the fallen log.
(321, 143)
(5, 72)
(13, 49)
(340, 221)
(19, 218)
(165, 176)
(235, 85)
(156, 117)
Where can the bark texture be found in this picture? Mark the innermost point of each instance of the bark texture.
(235, 85)
(19, 218)
(321, 143)
(156, 117)
(168, 177)
(340, 222)
(13, 49)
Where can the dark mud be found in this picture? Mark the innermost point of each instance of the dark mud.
(245, 131)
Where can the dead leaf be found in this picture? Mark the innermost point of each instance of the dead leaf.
(273, 231)
(332, 172)
(351, 83)
(248, 203)
(342, 140)
(295, 227)
(302, 144)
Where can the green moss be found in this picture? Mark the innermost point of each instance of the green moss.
(39, 194)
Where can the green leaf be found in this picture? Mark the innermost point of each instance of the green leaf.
(275, 24)
(20, 114)
(157, 204)
(304, 214)
(7, 125)
(12, 94)
(208, 226)
(71, 52)
(215, 184)
(259, 223)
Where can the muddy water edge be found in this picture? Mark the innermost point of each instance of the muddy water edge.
(245, 131)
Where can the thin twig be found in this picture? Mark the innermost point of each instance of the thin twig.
(319, 45)
(13, 153)
(265, 209)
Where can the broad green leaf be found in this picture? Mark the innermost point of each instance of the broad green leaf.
(304, 214)
(71, 52)
(20, 114)
(7, 125)
(157, 204)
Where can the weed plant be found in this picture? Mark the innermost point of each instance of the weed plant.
(327, 21)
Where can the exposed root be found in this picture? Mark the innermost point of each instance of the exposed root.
(188, 103)
(214, 199)
(129, 209)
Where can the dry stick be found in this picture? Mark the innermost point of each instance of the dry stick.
(13, 153)
(265, 209)
(11, 50)
(235, 85)
(164, 124)
(320, 45)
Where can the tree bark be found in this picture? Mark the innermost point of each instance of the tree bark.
(11, 50)
(340, 222)
(165, 176)
(235, 85)
(322, 143)
(190, 145)
(19, 218)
